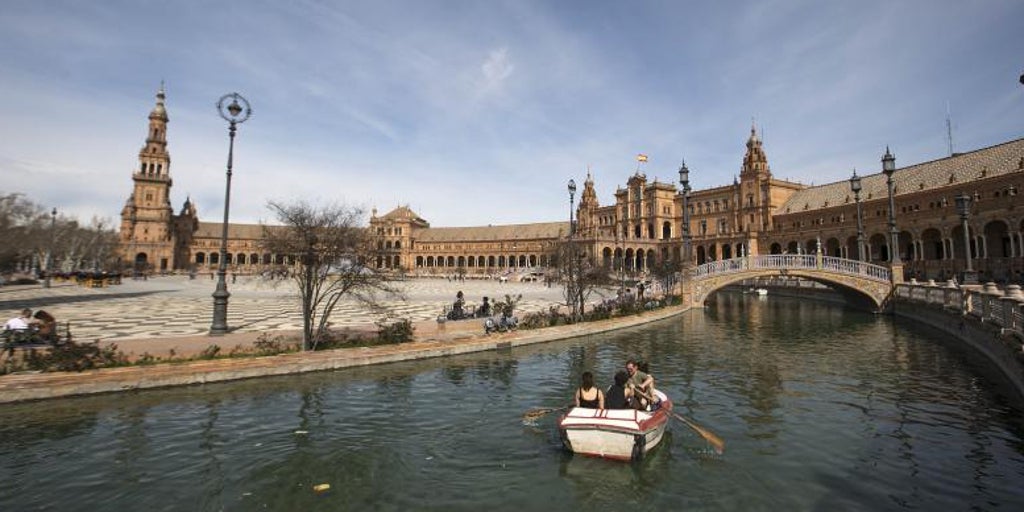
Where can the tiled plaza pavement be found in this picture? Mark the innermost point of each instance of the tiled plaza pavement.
(166, 307)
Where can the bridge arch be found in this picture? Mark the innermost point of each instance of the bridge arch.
(864, 285)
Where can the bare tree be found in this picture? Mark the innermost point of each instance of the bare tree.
(331, 245)
(20, 219)
(667, 272)
(579, 275)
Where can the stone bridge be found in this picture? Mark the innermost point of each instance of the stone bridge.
(863, 283)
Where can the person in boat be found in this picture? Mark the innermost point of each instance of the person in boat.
(642, 366)
(641, 381)
(619, 395)
(588, 395)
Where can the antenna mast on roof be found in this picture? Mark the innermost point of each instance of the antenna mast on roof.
(949, 129)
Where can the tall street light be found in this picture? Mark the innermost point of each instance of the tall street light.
(235, 113)
(963, 207)
(617, 259)
(572, 248)
(856, 187)
(684, 180)
(888, 168)
(133, 218)
(49, 251)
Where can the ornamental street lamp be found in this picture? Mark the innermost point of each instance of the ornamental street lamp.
(856, 187)
(888, 168)
(49, 251)
(684, 180)
(572, 194)
(571, 264)
(963, 207)
(617, 259)
(133, 218)
(235, 113)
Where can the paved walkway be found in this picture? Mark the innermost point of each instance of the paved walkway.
(174, 313)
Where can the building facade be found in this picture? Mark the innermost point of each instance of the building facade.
(155, 239)
(642, 227)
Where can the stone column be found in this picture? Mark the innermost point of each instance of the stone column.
(1012, 301)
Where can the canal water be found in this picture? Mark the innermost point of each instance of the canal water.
(821, 408)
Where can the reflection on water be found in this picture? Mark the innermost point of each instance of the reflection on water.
(821, 408)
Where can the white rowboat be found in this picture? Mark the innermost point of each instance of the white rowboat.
(621, 434)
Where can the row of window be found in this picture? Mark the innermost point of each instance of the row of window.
(151, 168)
(201, 258)
(481, 261)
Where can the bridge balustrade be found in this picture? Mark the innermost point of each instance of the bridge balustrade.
(795, 262)
(1016, 316)
(989, 305)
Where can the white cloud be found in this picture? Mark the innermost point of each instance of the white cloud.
(496, 68)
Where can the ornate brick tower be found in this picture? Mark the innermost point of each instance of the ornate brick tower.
(586, 212)
(147, 234)
(755, 178)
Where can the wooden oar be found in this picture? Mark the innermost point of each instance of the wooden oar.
(716, 442)
(533, 414)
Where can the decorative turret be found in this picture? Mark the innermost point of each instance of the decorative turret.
(154, 160)
(188, 209)
(752, 190)
(755, 163)
(588, 204)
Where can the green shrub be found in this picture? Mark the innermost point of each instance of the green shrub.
(74, 357)
(395, 332)
(267, 345)
(534, 321)
(210, 352)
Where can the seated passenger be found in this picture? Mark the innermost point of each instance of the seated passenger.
(21, 323)
(642, 366)
(640, 381)
(587, 395)
(618, 395)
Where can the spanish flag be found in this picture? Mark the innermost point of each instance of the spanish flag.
(641, 157)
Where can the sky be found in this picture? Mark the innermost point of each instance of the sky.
(479, 112)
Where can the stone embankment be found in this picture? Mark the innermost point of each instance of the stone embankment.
(984, 317)
(443, 340)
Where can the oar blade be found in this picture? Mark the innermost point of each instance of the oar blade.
(534, 414)
(717, 443)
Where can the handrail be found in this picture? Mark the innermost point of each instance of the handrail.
(828, 264)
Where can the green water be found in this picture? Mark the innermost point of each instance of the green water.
(821, 409)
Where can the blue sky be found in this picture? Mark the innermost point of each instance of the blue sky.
(479, 112)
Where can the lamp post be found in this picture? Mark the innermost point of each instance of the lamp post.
(572, 195)
(684, 181)
(963, 207)
(888, 168)
(49, 251)
(235, 113)
(133, 217)
(572, 249)
(856, 188)
(618, 260)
